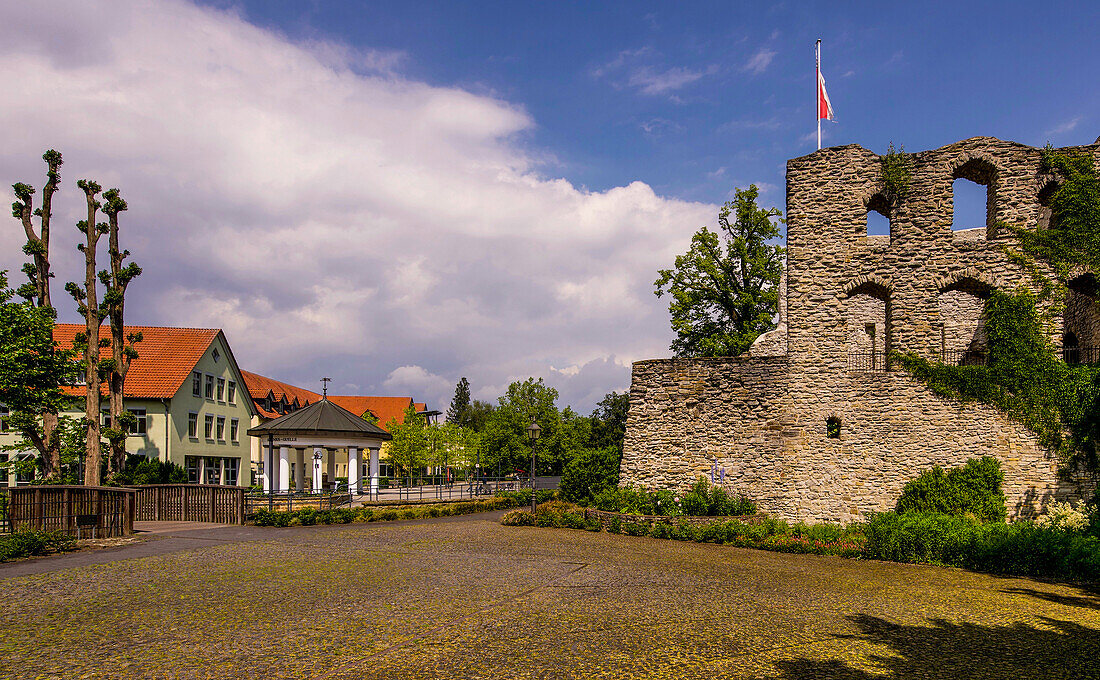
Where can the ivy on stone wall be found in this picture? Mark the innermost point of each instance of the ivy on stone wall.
(1024, 377)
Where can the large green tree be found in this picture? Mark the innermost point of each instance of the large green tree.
(32, 370)
(725, 289)
(504, 437)
(410, 448)
(460, 403)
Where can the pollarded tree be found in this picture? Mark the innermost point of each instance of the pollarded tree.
(87, 301)
(41, 431)
(122, 344)
(725, 289)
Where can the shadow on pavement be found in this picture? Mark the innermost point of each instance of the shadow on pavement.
(943, 649)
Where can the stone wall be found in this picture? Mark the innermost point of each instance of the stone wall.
(762, 416)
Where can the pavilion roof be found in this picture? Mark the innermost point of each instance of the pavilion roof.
(321, 418)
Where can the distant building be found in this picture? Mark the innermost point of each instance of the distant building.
(187, 394)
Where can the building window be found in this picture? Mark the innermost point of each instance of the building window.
(232, 396)
(209, 426)
(140, 421)
(234, 430)
(192, 464)
(193, 425)
(5, 412)
(221, 389)
(209, 387)
(232, 465)
(196, 384)
(832, 427)
(212, 470)
(221, 428)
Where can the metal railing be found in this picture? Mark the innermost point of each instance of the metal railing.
(964, 357)
(1081, 355)
(868, 362)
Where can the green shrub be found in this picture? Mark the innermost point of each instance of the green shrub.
(27, 543)
(307, 516)
(635, 529)
(974, 488)
(695, 503)
(589, 473)
(276, 518)
(518, 518)
(615, 525)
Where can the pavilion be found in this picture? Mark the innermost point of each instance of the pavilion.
(326, 429)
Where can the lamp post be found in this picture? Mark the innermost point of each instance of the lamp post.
(533, 432)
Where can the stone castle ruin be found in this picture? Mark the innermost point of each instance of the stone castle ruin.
(812, 422)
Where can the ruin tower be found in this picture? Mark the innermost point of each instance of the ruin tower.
(851, 299)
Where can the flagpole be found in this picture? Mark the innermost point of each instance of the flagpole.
(817, 92)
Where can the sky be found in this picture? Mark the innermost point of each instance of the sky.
(400, 194)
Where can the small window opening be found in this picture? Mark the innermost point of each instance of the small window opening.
(973, 205)
(832, 427)
(1046, 206)
(878, 218)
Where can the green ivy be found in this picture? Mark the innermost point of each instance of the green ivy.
(1024, 377)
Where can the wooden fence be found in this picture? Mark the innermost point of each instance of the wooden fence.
(85, 511)
(190, 503)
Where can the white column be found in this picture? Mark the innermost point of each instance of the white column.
(315, 460)
(299, 470)
(266, 460)
(353, 470)
(284, 469)
(374, 470)
(330, 465)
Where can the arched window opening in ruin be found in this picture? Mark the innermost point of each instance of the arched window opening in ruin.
(868, 318)
(878, 219)
(1046, 202)
(832, 427)
(973, 200)
(962, 322)
(1081, 323)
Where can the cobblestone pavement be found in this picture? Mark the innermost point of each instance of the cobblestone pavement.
(464, 597)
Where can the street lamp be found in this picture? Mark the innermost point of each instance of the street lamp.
(533, 432)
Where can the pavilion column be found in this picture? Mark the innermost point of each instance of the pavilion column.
(374, 470)
(283, 478)
(330, 456)
(353, 470)
(267, 478)
(300, 470)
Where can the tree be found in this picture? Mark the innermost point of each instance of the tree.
(504, 437)
(37, 289)
(32, 369)
(123, 352)
(88, 304)
(460, 403)
(609, 421)
(477, 415)
(725, 288)
(409, 447)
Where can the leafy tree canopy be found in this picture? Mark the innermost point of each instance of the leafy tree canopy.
(725, 289)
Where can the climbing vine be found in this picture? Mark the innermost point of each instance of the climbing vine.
(1024, 377)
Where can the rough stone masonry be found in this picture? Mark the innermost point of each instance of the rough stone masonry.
(849, 299)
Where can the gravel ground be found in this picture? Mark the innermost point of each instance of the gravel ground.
(464, 597)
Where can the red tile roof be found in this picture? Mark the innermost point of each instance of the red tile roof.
(260, 386)
(165, 359)
(385, 408)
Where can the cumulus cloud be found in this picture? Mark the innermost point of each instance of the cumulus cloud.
(332, 215)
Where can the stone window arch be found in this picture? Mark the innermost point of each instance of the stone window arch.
(1081, 323)
(879, 220)
(832, 427)
(983, 173)
(867, 309)
(961, 306)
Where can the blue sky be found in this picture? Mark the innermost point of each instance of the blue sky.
(694, 97)
(400, 194)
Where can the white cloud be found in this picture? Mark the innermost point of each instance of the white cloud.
(1064, 127)
(759, 62)
(332, 215)
(641, 70)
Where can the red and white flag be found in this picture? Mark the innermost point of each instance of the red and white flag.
(824, 106)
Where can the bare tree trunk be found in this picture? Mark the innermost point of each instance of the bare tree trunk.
(48, 442)
(122, 345)
(88, 303)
